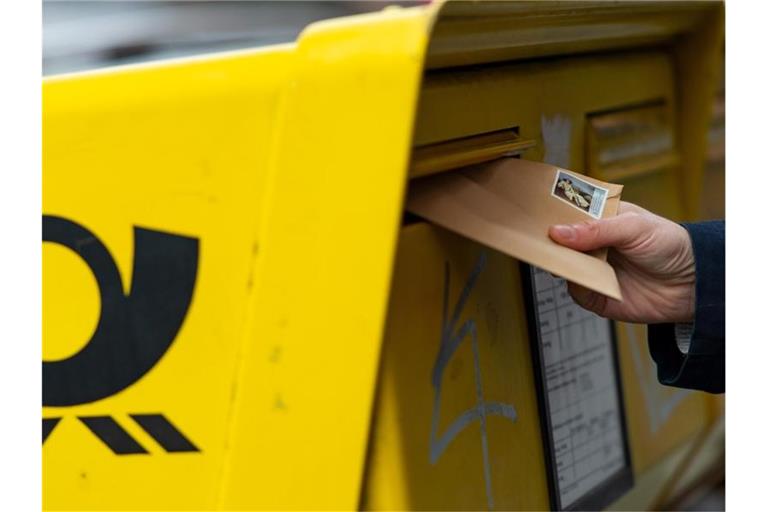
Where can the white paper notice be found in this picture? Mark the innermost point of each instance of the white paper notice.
(581, 385)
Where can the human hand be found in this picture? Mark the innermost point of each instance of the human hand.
(654, 263)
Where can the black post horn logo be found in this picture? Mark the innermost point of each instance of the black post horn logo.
(134, 329)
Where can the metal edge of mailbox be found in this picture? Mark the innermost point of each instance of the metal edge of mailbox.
(696, 56)
(334, 197)
(471, 33)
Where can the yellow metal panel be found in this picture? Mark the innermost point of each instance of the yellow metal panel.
(702, 468)
(659, 418)
(650, 484)
(538, 96)
(560, 93)
(471, 33)
(286, 166)
(712, 201)
(180, 148)
(307, 384)
(655, 191)
(428, 450)
(698, 62)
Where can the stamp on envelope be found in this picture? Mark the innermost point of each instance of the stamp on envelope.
(580, 194)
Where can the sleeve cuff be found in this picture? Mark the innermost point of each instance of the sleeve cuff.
(699, 363)
(704, 372)
(683, 334)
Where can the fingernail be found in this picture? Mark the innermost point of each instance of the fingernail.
(564, 231)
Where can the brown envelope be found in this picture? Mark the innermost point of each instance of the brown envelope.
(509, 204)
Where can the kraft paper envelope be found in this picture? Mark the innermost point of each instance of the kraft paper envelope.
(509, 205)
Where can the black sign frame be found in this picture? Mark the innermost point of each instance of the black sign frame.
(617, 485)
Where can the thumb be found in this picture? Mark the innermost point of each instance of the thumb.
(621, 231)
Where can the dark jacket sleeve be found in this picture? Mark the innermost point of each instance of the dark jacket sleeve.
(703, 367)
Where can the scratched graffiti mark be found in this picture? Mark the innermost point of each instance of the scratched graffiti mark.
(556, 136)
(658, 406)
(452, 334)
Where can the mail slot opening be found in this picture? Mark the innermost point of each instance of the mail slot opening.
(459, 153)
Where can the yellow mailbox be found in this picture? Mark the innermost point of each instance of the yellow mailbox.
(237, 315)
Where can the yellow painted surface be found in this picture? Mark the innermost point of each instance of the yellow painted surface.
(412, 466)
(549, 101)
(266, 160)
(559, 96)
(708, 462)
(712, 201)
(68, 324)
(334, 210)
(659, 418)
(651, 482)
(181, 149)
(699, 61)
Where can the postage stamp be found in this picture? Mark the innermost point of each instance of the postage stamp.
(579, 194)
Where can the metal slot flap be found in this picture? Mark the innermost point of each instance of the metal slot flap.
(455, 153)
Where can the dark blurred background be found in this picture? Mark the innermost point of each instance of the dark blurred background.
(81, 35)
